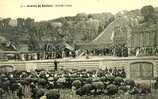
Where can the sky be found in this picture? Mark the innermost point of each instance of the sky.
(15, 8)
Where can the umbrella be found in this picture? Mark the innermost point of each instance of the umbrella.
(50, 78)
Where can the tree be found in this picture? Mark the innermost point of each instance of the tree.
(35, 37)
(148, 13)
(28, 22)
(20, 22)
(1, 25)
(6, 23)
(81, 17)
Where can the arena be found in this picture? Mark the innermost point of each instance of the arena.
(87, 56)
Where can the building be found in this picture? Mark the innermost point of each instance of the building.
(143, 37)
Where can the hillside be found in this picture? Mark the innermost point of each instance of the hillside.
(81, 28)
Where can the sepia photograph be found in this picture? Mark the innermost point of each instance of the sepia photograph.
(79, 49)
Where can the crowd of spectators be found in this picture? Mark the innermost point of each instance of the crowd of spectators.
(119, 50)
(83, 82)
(42, 79)
(123, 51)
(43, 55)
(144, 51)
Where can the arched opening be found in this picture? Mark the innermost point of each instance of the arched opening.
(6, 68)
(141, 70)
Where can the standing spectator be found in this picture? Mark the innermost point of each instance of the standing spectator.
(63, 53)
(22, 56)
(29, 56)
(156, 51)
(110, 70)
(106, 70)
(114, 51)
(52, 54)
(56, 65)
(115, 72)
(150, 51)
(34, 56)
(125, 51)
(87, 54)
(49, 54)
(123, 73)
(73, 54)
(137, 51)
(143, 51)
(20, 92)
(77, 52)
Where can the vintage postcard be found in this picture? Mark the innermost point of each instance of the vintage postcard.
(78, 49)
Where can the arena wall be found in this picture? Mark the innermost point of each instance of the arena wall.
(85, 64)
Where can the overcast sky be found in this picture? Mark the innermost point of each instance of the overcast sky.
(13, 9)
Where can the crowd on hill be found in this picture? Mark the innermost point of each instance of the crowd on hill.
(43, 55)
(124, 51)
(118, 50)
(83, 82)
(145, 51)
